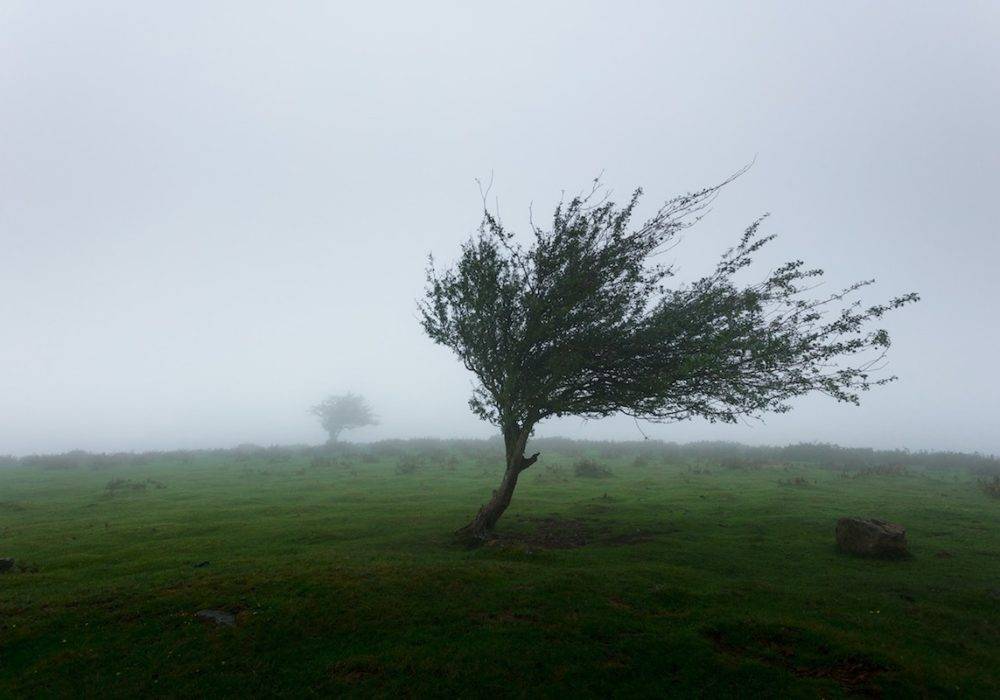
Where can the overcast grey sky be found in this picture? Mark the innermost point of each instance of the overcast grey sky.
(212, 214)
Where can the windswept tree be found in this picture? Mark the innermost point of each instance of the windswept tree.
(582, 322)
(343, 412)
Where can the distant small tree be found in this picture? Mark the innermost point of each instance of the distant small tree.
(582, 323)
(343, 412)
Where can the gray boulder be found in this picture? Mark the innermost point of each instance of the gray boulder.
(218, 617)
(871, 537)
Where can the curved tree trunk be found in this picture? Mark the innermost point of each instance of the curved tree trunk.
(482, 526)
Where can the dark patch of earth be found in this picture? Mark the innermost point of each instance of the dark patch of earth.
(356, 670)
(505, 617)
(801, 653)
(636, 537)
(554, 532)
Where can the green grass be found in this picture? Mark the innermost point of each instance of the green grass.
(345, 580)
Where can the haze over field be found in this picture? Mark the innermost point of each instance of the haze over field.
(212, 217)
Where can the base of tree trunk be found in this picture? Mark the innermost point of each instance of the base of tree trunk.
(481, 528)
(470, 537)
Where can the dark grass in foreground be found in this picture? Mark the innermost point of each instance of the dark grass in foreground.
(673, 577)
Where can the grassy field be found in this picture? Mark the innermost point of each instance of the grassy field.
(666, 578)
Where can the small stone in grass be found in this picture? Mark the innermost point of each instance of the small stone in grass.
(219, 617)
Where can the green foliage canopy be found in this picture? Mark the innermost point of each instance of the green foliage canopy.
(582, 322)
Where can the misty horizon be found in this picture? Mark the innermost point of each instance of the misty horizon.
(212, 218)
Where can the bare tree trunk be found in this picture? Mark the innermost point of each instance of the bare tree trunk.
(483, 524)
